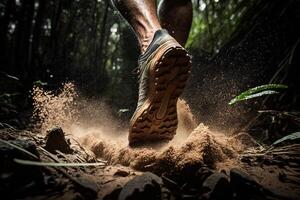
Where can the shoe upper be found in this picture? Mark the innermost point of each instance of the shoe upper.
(159, 38)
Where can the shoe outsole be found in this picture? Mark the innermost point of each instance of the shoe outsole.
(156, 120)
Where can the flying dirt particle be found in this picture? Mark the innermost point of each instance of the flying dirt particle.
(51, 110)
(65, 108)
(92, 122)
(186, 122)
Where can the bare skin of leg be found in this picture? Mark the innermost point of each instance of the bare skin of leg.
(142, 16)
(176, 16)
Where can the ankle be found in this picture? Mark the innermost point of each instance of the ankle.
(146, 40)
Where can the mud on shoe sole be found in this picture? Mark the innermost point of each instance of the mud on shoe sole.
(156, 120)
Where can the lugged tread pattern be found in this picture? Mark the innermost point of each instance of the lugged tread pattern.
(157, 120)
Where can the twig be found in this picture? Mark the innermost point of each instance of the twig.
(55, 164)
(19, 148)
(7, 125)
(82, 148)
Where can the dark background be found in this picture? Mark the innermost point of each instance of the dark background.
(236, 44)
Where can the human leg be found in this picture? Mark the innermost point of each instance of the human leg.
(176, 16)
(142, 16)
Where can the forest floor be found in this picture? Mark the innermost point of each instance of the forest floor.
(205, 166)
(83, 162)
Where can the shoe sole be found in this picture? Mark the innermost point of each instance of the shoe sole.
(156, 120)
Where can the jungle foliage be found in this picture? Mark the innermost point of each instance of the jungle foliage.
(236, 44)
(88, 42)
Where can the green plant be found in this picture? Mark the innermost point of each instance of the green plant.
(258, 91)
(283, 141)
(292, 136)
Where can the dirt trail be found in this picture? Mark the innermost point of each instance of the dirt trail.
(193, 148)
(193, 145)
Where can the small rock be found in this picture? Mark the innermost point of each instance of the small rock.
(203, 173)
(216, 186)
(146, 187)
(239, 177)
(55, 140)
(244, 186)
(122, 173)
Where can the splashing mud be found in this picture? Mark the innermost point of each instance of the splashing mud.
(93, 123)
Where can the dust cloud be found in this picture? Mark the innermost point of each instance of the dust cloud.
(92, 122)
